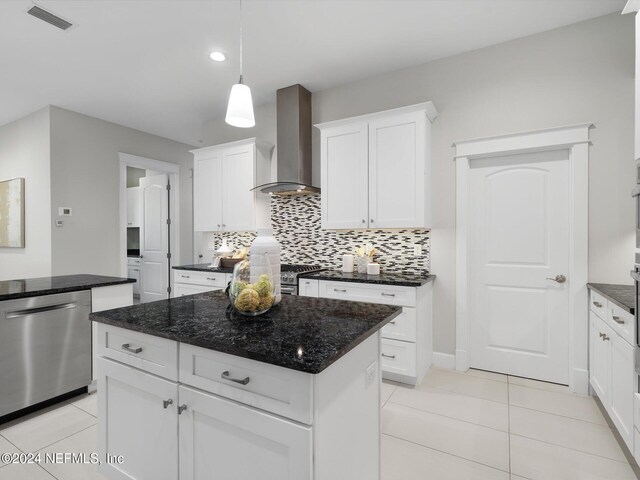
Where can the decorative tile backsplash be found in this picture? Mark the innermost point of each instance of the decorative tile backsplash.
(296, 225)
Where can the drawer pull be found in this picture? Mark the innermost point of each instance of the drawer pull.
(241, 381)
(392, 357)
(212, 279)
(392, 322)
(181, 409)
(128, 348)
(601, 334)
(617, 320)
(185, 276)
(597, 304)
(340, 290)
(387, 294)
(166, 403)
(605, 337)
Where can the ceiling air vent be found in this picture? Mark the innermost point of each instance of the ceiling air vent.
(49, 17)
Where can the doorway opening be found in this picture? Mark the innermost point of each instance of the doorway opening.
(149, 225)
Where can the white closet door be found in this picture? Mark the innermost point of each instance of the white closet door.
(345, 177)
(155, 238)
(518, 243)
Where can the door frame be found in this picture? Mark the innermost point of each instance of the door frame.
(173, 172)
(575, 139)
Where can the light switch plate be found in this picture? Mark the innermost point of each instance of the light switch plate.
(64, 211)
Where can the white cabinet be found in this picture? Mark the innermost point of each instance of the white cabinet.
(308, 288)
(133, 271)
(611, 365)
(223, 176)
(376, 169)
(134, 207)
(241, 443)
(138, 420)
(189, 282)
(407, 342)
(344, 176)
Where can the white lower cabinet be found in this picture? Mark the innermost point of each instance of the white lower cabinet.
(612, 371)
(188, 282)
(137, 422)
(407, 342)
(241, 443)
(308, 288)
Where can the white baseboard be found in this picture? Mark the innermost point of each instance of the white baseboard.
(580, 381)
(444, 360)
(462, 360)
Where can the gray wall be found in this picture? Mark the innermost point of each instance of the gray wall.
(579, 73)
(24, 152)
(85, 175)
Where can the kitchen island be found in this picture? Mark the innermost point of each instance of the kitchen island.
(189, 390)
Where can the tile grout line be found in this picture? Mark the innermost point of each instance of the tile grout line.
(85, 411)
(446, 453)
(563, 416)
(447, 416)
(64, 438)
(625, 462)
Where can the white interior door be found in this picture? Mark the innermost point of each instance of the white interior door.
(518, 241)
(154, 241)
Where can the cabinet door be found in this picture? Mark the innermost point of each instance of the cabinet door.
(241, 443)
(238, 201)
(622, 387)
(133, 422)
(134, 206)
(207, 194)
(344, 171)
(181, 289)
(397, 172)
(599, 358)
(308, 288)
(133, 271)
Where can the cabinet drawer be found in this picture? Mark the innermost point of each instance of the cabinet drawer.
(133, 261)
(398, 357)
(182, 289)
(362, 292)
(209, 279)
(598, 304)
(622, 322)
(403, 327)
(277, 390)
(152, 354)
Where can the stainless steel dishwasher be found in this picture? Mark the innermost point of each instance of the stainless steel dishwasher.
(45, 348)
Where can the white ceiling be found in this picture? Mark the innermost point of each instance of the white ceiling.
(144, 64)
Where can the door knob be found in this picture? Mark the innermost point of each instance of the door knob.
(558, 278)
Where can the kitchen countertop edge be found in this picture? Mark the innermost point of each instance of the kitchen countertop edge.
(624, 299)
(98, 281)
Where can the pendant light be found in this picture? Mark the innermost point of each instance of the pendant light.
(240, 108)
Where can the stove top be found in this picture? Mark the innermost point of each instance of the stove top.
(289, 272)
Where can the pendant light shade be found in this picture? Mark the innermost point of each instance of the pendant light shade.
(240, 108)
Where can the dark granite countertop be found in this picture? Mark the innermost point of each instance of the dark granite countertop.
(399, 279)
(203, 267)
(301, 333)
(622, 295)
(33, 287)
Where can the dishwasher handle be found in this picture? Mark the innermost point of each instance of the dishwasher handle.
(46, 308)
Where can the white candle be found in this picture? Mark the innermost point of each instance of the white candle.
(347, 263)
(373, 269)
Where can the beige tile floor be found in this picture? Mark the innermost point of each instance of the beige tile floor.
(453, 426)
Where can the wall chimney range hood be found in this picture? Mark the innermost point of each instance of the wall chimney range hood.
(294, 144)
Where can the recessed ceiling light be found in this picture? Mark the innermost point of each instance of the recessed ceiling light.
(217, 56)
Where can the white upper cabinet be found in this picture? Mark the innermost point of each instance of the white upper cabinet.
(345, 182)
(376, 169)
(223, 176)
(134, 207)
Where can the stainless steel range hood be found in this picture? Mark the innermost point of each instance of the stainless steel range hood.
(294, 144)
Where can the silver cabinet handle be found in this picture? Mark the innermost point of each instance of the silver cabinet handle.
(387, 294)
(558, 278)
(371, 221)
(185, 276)
(141, 256)
(166, 403)
(340, 290)
(128, 348)
(181, 409)
(47, 308)
(601, 334)
(212, 279)
(218, 225)
(388, 356)
(597, 304)
(135, 269)
(392, 322)
(617, 320)
(364, 221)
(605, 337)
(242, 381)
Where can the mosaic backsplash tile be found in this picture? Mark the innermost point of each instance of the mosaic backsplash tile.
(296, 225)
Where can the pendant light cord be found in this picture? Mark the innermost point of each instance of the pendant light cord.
(240, 41)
